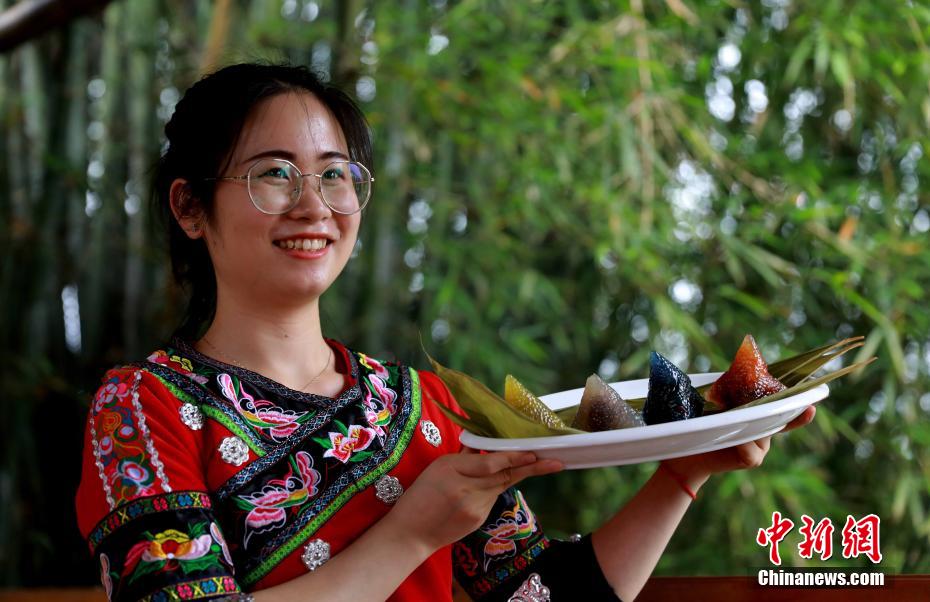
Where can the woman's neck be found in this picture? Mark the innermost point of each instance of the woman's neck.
(284, 344)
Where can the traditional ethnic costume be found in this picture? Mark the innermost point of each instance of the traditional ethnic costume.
(202, 480)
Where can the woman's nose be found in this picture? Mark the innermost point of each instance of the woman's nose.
(310, 203)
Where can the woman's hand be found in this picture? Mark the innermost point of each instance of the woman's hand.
(629, 545)
(454, 495)
(696, 469)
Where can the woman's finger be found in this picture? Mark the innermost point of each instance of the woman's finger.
(511, 476)
(803, 418)
(751, 455)
(485, 465)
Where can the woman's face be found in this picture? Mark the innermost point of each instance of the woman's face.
(249, 249)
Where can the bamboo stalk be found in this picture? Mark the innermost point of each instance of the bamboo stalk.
(646, 129)
(102, 250)
(140, 15)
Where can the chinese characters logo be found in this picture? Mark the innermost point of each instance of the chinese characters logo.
(859, 537)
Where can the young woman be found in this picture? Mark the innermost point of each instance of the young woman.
(252, 454)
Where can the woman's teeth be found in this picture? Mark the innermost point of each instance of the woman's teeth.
(303, 244)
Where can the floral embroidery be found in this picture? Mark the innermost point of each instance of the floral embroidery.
(379, 402)
(464, 560)
(172, 550)
(105, 579)
(378, 414)
(374, 365)
(266, 508)
(262, 502)
(514, 524)
(273, 422)
(146, 506)
(122, 448)
(177, 363)
(218, 538)
(480, 583)
(347, 444)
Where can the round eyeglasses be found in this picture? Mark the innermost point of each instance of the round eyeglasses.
(275, 185)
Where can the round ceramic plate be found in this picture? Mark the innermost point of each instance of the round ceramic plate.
(656, 441)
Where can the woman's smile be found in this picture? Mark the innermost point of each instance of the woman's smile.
(304, 247)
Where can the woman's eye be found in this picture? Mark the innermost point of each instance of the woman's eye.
(274, 173)
(334, 173)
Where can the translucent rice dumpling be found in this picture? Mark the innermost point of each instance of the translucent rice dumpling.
(602, 409)
(520, 398)
(671, 396)
(748, 378)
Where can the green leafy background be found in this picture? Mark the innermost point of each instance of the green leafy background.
(561, 188)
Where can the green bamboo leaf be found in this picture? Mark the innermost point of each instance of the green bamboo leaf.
(488, 414)
(796, 365)
(807, 385)
(821, 55)
(840, 67)
(798, 59)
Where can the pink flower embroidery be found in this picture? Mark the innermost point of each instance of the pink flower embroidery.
(267, 507)
(113, 390)
(105, 578)
(377, 415)
(218, 536)
(134, 472)
(373, 365)
(274, 422)
(386, 395)
(344, 445)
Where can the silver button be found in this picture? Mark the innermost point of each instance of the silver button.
(315, 555)
(532, 590)
(388, 489)
(431, 432)
(191, 416)
(234, 451)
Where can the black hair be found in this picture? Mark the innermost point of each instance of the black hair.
(201, 136)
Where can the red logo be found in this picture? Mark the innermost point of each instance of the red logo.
(861, 537)
(774, 534)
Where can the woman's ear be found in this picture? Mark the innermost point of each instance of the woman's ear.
(185, 209)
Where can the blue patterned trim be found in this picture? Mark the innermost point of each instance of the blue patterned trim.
(168, 502)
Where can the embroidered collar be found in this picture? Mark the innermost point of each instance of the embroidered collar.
(335, 448)
(352, 390)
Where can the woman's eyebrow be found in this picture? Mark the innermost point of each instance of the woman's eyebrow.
(283, 154)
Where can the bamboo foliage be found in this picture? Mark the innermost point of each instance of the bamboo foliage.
(561, 187)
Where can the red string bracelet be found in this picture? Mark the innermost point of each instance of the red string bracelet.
(680, 480)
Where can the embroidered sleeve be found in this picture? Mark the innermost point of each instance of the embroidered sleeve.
(142, 503)
(510, 557)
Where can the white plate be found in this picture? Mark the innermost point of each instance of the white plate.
(656, 441)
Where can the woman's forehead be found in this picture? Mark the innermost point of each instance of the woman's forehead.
(292, 121)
